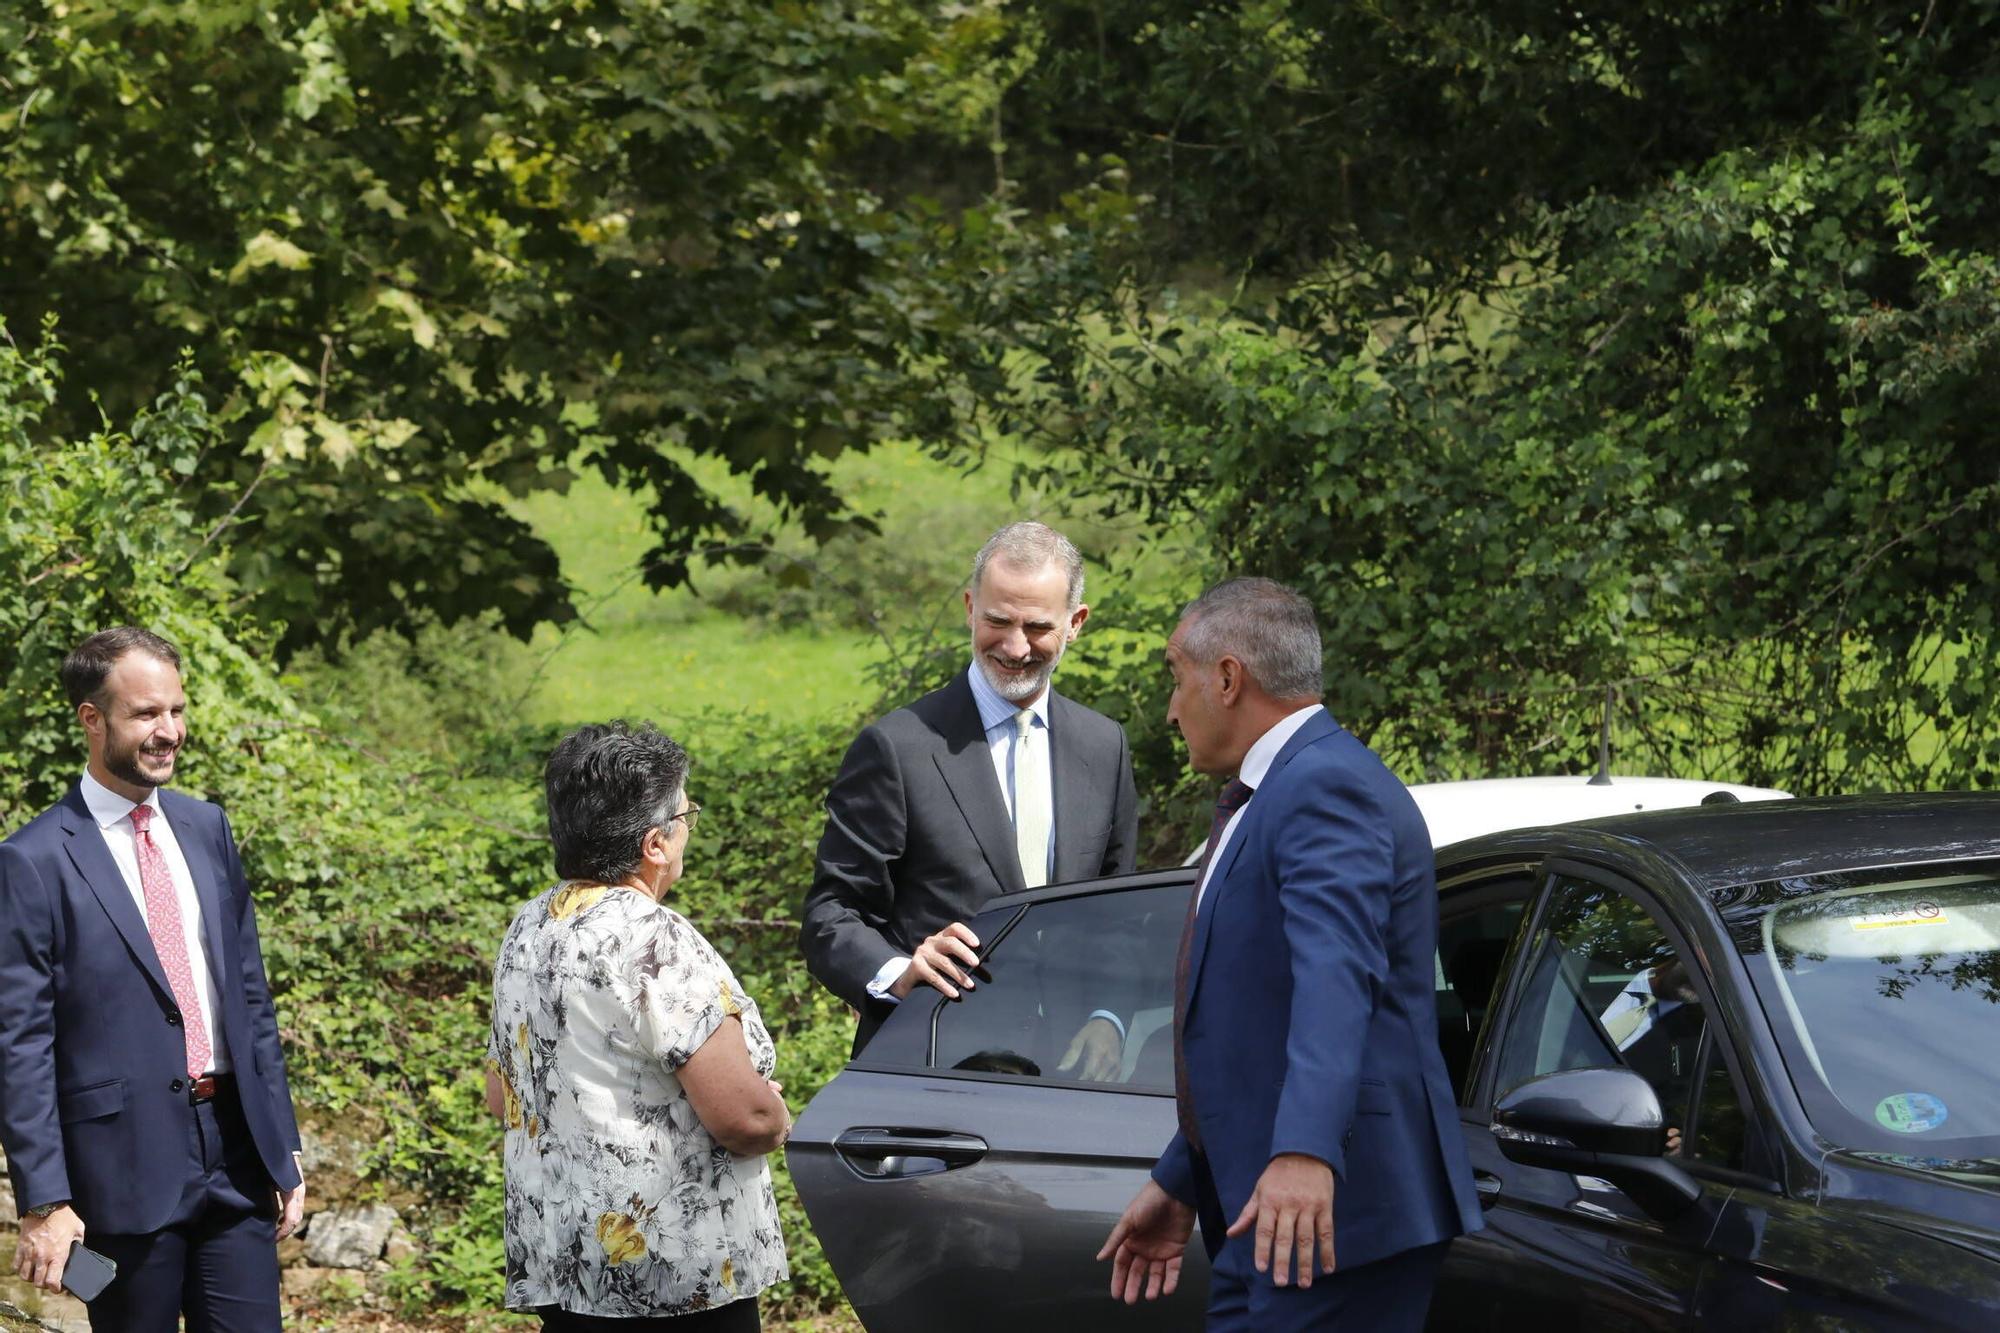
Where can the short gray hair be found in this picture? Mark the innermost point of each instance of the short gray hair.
(607, 785)
(1263, 624)
(1030, 545)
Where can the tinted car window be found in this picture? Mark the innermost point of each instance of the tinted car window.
(1605, 988)
(1720, 1126)
(1472, 944)
(1880, 987)
(1063, 962)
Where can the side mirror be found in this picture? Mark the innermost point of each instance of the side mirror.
(1596, 1122)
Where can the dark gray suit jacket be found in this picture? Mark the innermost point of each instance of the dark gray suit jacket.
(917, 834)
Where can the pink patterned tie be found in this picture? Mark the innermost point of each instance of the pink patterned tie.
(163, 923)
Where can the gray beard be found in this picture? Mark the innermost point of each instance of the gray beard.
(1023, 688)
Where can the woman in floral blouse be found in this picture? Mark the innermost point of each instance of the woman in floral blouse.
(630, 1069)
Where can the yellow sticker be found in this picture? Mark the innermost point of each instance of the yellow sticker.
(1922, 914)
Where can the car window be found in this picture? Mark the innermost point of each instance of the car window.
(1109, 955)
(1605, 988)
(1472, 944)
(1880, 985)
(1720, 1127)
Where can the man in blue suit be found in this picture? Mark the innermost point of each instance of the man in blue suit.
(1319, 1144)
(143, 1102)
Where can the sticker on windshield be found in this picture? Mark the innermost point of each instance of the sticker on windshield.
(1917, 914)
(1910, 1112)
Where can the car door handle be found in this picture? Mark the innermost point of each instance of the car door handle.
(1487, 1186)
(898, 1154)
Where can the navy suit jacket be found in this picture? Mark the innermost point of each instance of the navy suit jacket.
(93, 1073)
(1312, 1016)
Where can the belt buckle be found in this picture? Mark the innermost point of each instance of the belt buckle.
(202, 1089)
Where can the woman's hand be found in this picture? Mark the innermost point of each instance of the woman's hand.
(778, 1091)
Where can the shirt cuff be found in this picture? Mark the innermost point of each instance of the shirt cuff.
(1110, 1018)
(878, 987)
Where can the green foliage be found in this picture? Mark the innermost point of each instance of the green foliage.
(746, 870)
(1672, 404)
(1571, 358)
(427, 253)
(388, 835)
(97, 532)
(376, 907)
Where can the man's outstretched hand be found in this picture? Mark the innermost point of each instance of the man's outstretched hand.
(1292, 1207)
(1146, 1246)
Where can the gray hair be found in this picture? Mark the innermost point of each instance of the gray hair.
(1030, 545)
(1266, 626)
(607, 785)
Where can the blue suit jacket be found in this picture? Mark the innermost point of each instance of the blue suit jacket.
(93, 1096)
(1312, 1017)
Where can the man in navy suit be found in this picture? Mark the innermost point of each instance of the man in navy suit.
(143, 1102)
(1319, 1144)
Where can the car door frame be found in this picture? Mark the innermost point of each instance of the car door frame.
(1687, 1237)
(909, 1062)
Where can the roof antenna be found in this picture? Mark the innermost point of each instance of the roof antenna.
(1603, 776)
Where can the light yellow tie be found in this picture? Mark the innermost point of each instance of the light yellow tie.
(1033, 809)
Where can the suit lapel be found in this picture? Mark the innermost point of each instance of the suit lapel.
(966, 765)
(1317, 727)
(1076, 790)
(207, 881)
(93, 861)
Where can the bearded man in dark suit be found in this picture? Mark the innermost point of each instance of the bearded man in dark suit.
(993, 784)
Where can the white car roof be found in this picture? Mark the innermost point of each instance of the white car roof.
(1456, 811)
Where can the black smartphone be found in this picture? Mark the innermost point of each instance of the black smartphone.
(87, 1273)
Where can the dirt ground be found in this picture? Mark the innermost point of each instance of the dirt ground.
(26, 1310)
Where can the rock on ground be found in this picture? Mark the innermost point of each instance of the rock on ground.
(349, 1237)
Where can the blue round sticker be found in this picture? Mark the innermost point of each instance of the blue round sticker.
(1910, 1112)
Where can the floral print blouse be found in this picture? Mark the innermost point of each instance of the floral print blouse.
(618, 1202)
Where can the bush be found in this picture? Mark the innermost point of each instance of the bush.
(388, 835)
(390, 829)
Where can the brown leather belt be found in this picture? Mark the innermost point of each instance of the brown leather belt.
(204, 1088)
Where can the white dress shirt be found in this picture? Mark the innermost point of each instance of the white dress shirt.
(996, 715)
(113, 814)
(1257, 763)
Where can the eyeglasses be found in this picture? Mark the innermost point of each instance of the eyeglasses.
(692, 815)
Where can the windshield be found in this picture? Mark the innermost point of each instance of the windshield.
(1884, 989)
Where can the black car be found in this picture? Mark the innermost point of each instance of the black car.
(1735, 1066)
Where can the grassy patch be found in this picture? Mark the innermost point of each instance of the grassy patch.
(791, 639)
